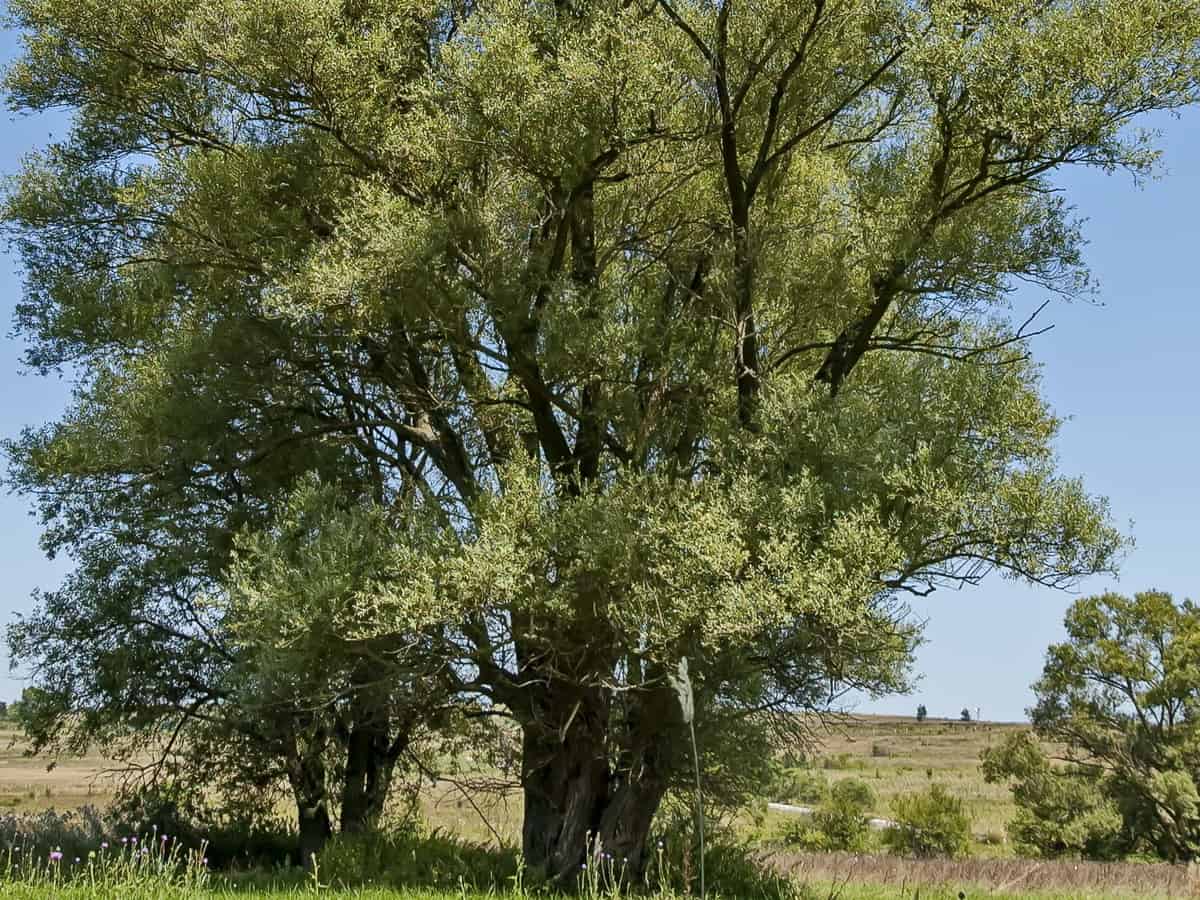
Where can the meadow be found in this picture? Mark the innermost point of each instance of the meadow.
(897, 755)
(894, 755)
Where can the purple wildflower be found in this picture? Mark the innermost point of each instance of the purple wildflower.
(104, 845)
(55, 855)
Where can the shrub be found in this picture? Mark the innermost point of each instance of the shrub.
(922, 713)
(841, 819)
(1061, 812)
(965, 715)
(732, 868)
(242, 834)
(842, 761)
(73, 833)
(799, 786)
(929, 823)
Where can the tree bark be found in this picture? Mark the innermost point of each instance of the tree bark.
(371, 754)
(593, 785)
(565, 777)
(625, 825)
(641, 777)
(307, 777)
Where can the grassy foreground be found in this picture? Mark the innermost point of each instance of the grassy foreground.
(812, 892)
(893, 754)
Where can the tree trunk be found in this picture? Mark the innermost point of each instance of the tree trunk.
(371, 755)
(575, 803)
(307, 776)
(640, 781)
(625, 825)
(565, 779)
(312, 815)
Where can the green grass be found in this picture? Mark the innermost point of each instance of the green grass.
(293, 892)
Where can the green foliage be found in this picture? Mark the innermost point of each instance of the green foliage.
(146, 864)
(73, 832)
(922, 713)
(797, 785)
(1061, 811)
(409, 859)
(236, 832)
(1119, 694)
(840, 822)
(929, 823)
(733, 867)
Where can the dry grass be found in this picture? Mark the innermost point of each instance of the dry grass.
(897, 755)
(1001, 875)
(27, 785)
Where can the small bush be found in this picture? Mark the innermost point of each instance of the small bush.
(842, 819)
(799, 786)
(732, 866)
(929, 823)
(840, 822)
(1061, 812)
(73, 833)
(922, 713)
(842, 761)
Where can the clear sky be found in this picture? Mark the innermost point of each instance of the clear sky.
(1124, 373)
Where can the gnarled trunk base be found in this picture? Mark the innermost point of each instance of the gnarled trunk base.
(577, 808)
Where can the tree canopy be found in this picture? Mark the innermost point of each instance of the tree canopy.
(623, 331)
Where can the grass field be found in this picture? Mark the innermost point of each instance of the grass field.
(27, 786)
(900, 755)
(816, 892)
(894, 755)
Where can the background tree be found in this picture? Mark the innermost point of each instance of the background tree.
(1062, 811)
(1119, 694)
(132, 652)
(922, 713)
(696, 350)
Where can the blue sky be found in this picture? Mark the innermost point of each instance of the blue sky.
(1123, 371)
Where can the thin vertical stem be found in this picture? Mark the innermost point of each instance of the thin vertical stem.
(699, 801)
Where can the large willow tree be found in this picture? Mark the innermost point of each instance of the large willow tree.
(654, 328)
